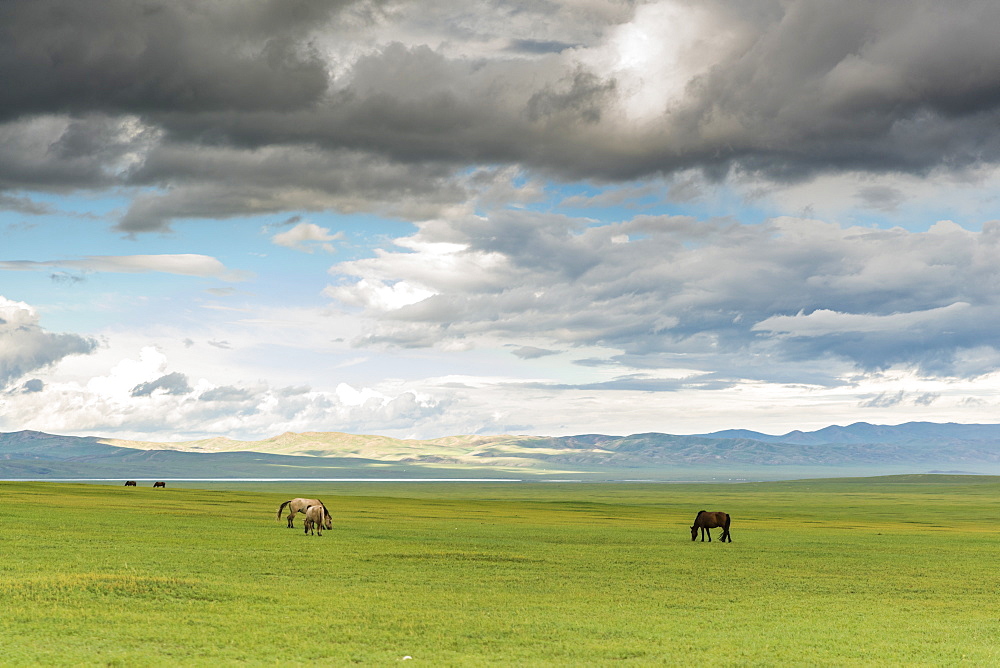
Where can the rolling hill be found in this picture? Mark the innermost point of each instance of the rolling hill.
(857, 449)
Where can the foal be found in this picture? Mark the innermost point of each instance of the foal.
(317, 518)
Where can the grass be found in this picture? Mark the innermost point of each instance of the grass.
(894, 571)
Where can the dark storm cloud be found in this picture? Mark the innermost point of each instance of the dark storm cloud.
(221, 182)
(47, 152)
(202, 103)
(411, 104)
(137, 57)
(888, 85)
(802, 86)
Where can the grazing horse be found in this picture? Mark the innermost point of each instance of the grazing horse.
(318, 518)
(130, 483)
(706, 520)
(160, 484)
(296, 506)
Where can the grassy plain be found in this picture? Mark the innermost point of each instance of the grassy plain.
(895, 571)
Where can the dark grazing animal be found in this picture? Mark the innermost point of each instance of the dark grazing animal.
(317, 518)
(706, 520)
(159, 484)
(300, 505)
(130, 483)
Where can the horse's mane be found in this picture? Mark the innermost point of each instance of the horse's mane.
(326, 513)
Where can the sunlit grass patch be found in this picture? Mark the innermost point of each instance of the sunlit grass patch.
(840, 573)
(61, 587)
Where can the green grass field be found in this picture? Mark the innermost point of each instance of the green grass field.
(898, 571)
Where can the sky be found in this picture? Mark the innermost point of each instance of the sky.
(232, 218)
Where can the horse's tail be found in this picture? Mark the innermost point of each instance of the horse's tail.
(728, 519)
(277, 518)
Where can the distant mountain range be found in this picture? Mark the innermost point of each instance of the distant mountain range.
(857, 449)
(862, 432)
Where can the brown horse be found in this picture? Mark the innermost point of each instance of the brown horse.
(318, 518)
(706, 520)
(296, 506)
(130, 483)
(160, 484)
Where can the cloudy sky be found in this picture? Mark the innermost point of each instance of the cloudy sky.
(221, 217)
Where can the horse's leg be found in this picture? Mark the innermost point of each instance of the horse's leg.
(291, 516)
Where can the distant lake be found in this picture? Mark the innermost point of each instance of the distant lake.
(309, 480)
(272, 480)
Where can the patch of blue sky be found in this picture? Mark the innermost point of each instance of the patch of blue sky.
(70, 226)
(248, 243)
(80, 224)
(282, 275)
(363, 232)
(30, 287)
